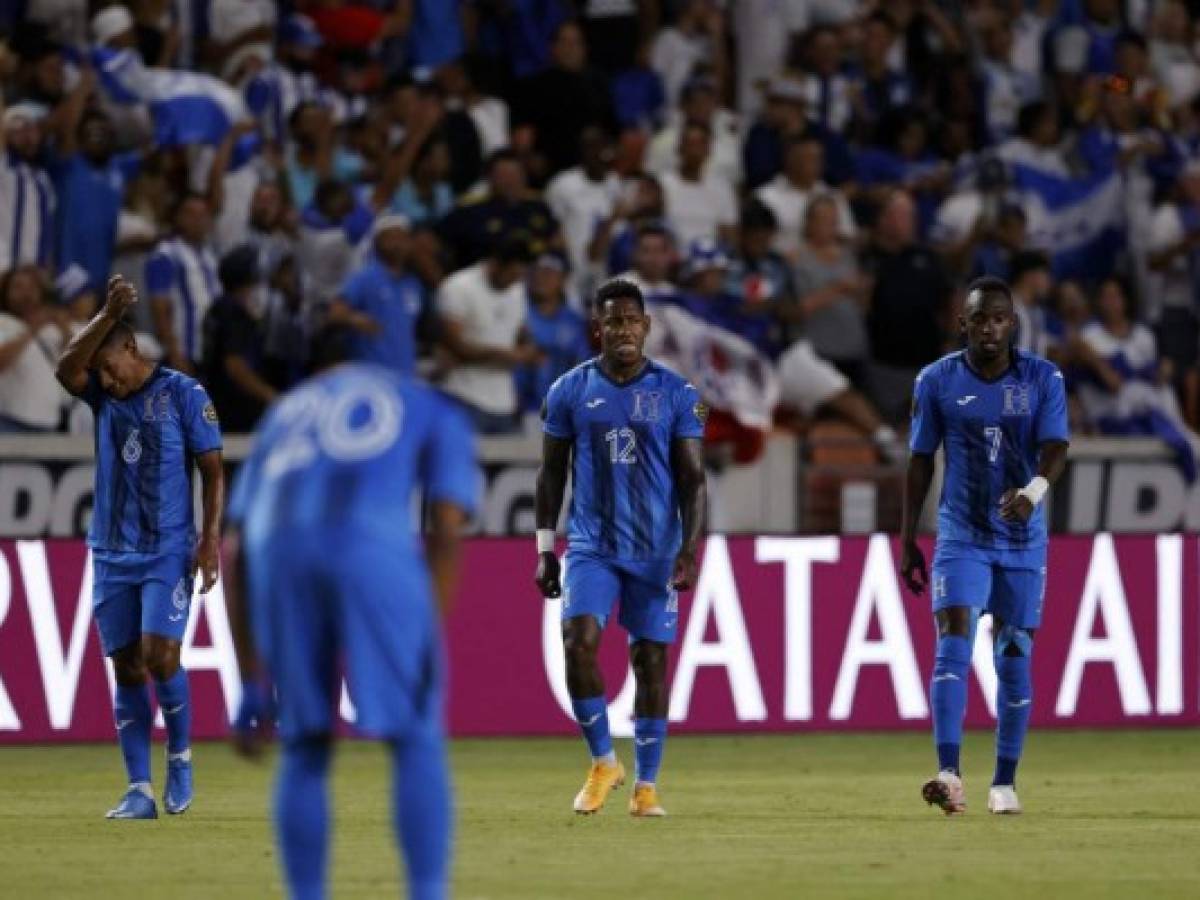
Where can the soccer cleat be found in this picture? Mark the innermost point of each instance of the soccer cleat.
(946, 792)
(644, 802)
(177, 795)
(601, 781)
(134, 805)
(1002, 800)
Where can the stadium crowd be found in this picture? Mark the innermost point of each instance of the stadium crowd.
(801, 187)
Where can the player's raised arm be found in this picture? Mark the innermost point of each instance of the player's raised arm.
(691, 484)
(72, 370)
(548, 498)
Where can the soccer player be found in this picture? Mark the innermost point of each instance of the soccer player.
(1001, 416)
(152, 425)
(325, 572)
(630, 430)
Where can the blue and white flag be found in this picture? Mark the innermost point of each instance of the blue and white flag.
(1077, 222)
(186, 107)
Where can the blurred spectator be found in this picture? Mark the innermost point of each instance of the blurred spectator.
(1174, 260)
(233, 343)
(560, 101)
(764, 30)
(789, 193)
(994, 252)
(698, 208)
(831, 291)
(784, 119)
(435, 36)
(507, 207)
(1171, 58)
(582, 196)
(697, 38)
(1128, 389)
(612, 29)
(653, 258)
(757, 274)
(640, 202)
(1006, 88)
(1031, 282)
(827, 90)
(461, 81)
(91, 183)
(26, 194)
(267, 227)
(700, 104)
(310, 154)
(382, 301)
(638, 97)
(31, 335)
(483, 311)
(556, 329)
(331, 230)
(907, 314)
(182, 283)
(287, 330)
(1036, 142)
(906, 161)
(426, 195)
(519, 32)
(878, 87)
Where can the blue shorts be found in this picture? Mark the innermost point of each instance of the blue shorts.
(649, 605)
(135, 594)
(1009, 584)
(323, 608)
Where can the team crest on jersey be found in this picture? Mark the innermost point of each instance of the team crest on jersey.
(210, 414)
(157, 407)
(1016, 399)
(646, 406)
(131, 452)
(700, 411)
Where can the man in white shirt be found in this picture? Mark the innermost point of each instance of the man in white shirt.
(582, 196)
(483, 310)
(697, 37)
(698, 208)
(789, 193)
(700, 103)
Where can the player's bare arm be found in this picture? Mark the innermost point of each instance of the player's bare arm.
(72, 370)
(212, 477)
(548, 498)
(443, 546)
(248, 732)
(1017, 504)
(917, 481)
(687, 463)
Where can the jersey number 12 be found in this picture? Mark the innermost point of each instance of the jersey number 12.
(622, 445)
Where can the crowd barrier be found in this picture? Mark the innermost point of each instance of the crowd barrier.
(781, 634)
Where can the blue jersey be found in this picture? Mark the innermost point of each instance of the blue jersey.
(342, 454)
(395, 302)
(145, 447)
(623, 501)
(991, 431)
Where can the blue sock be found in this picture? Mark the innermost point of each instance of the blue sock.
(649, 739)
(131, 707)
(948, 697)
(175, 701)
(422, 814)
(1014, 695)
(302, 816)
(592, 715)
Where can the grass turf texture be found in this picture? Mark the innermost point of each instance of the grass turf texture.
(1113, 814)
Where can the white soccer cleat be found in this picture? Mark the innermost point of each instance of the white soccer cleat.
(946, 792)
(1002, 800)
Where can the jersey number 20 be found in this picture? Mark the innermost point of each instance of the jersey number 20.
(358, 422)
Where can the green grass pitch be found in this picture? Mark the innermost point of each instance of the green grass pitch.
(1108, 814)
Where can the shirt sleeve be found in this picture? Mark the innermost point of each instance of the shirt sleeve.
(556, 411)
(1051, 422)
(352, 291)
(690, 414)
(201, 431)
(927, 430)
(450, 469)
(452, 302)
(160, 274)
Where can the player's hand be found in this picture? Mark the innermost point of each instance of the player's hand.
(250, 726)
(912, 568)
(120, 297)
(548, 576)
(1015, 506)
(206, 563)
(683, 574)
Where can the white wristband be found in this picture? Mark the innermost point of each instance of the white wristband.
(1035, 490)
(545, 540)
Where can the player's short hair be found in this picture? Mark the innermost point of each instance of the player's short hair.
(990, 284)
(618, 289)
(119, 335)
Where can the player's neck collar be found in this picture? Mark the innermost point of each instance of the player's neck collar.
(638, 376)
(1012, 364)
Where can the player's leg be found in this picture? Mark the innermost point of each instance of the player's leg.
(166, 599)
(590, 585)
(960, 586)
(650, 613)
(302, 813)
(1016, 602)
(422, 810)
(117, 612)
